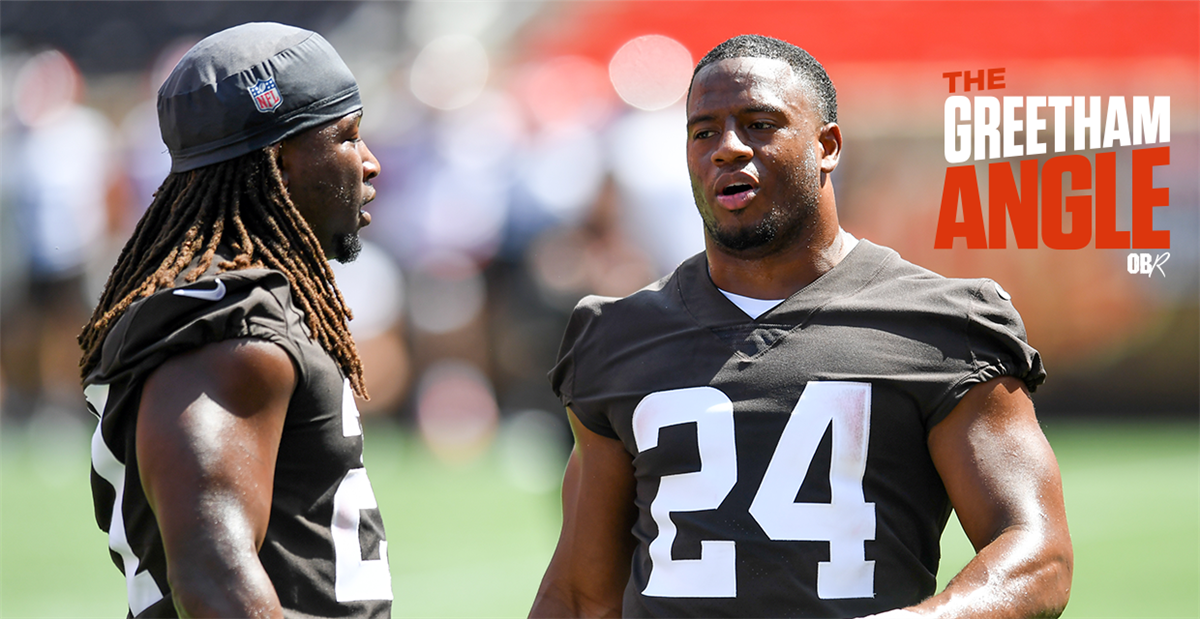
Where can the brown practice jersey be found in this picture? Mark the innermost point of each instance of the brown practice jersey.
(325, 549)
(781, 463)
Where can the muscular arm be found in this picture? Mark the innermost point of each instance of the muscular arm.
(590, 566)
(1004, 483)
(208, 432)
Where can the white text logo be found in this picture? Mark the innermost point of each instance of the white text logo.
(1145, 264)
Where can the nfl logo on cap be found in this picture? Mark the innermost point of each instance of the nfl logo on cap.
(266, 95)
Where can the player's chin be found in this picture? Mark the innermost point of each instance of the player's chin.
(346, 247)
(749, 240)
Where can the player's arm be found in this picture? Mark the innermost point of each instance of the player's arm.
(208, 432)
(590, 566)
(1004, 483)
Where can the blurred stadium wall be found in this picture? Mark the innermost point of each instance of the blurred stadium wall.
(532, 153)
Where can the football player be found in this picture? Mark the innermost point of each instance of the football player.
(781, 427)
(227, 465)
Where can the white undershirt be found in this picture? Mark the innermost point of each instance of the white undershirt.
(753, 307)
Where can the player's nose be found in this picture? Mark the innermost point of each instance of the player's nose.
(371, 167)
(731, 148)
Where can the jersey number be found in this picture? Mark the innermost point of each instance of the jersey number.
(846, 522)
(356, 578)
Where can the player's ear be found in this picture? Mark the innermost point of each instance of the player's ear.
(830, 138)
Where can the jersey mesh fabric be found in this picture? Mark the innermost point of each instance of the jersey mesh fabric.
(915, 341)
(321, 446)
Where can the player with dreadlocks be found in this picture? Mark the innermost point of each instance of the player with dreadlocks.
(227, 464)
(187, 221)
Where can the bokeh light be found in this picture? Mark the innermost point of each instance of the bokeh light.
(450, 72)
(457, 412)
(47, 85)
(651, 72)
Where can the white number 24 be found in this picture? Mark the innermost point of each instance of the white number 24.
(846, 522)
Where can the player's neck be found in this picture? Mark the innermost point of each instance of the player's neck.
(779, 274)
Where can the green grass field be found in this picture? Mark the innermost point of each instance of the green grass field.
(464, 541)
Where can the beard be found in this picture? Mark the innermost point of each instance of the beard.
(761, 234)
(346, 247)
(786, 221)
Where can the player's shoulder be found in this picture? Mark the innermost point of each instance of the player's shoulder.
(602, 323)
(214, 307)
(212, 298)
(229, 288)
(906, 285)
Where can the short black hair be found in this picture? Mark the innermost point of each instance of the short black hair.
(807, 67)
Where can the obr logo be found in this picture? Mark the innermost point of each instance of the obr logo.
(1145, 264)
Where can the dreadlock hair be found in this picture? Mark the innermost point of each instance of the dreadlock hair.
(821, 90)
(243, 204)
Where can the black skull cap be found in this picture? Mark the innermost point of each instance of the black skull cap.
(248, 87)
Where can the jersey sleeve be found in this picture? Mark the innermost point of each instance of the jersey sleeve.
(241, 304)
(578, 344)
(997, 343)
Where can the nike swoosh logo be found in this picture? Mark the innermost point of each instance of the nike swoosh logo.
(216, 294)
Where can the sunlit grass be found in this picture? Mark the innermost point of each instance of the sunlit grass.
(465, 541)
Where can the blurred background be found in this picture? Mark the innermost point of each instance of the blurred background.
(532, 153)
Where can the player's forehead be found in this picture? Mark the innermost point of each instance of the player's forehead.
(325, 132)
(747, 83)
